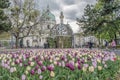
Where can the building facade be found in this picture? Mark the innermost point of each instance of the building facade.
(48, 28)
(38, 35)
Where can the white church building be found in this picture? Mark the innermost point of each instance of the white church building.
(39, 34)
(62, 33)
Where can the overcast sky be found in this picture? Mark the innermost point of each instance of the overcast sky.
(71, 9)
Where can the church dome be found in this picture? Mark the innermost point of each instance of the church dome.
(61, 29)
(47, 15)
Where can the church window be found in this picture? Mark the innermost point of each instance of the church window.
(40, 39)
(48, 26)
(40, 33)
(48, 18)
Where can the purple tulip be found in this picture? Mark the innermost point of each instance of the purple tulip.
(27, 55)
(82, 61)
(39, 63)
(50, 67)
(79, 62)
(62, 58)
(16, 62)
(48, 58)
(32, 72)
(20, 61)
(71, 66)
(94, 63)
(78, 59)
(25, 65)
(71, 62)
(51, 53)
(59, 64)
(13, 56)
(36, 67)
(88, 59)
(76, 54)
(67, 64)
(79, 67)
(43, 68)
(36, 58)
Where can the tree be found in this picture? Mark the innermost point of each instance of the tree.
(4, 20)
(102, 20)
(24, 17)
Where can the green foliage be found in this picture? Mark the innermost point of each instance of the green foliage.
(6, 43)
(24, 17)
(118, 46)
(102, 19)
(4, 3)
(107, 72)
(5, 23)
(67, 42)
(4, 36)
(51, 42)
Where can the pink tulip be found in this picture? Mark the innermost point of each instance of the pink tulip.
(11, 70)
(40, 77)
(39, 71)
(23, 77)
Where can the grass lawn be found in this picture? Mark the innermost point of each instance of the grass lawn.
(4, 36)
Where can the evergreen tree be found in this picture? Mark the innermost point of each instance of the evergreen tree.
(102, 20)
(4, 20)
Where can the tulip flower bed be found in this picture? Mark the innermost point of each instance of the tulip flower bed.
(59, 64)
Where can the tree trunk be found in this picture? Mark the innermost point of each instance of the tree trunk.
(99, 40)
(115, 38)
(17, 41)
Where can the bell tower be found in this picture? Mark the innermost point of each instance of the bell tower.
(61, 17)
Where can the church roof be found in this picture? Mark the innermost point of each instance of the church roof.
(61, 30)
(47, 15)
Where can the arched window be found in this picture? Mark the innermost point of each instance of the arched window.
(48, 26)
(40, 39)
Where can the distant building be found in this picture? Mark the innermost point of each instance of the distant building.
(61, 34)
(48, 28)
(39, 34)
(82, 41)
